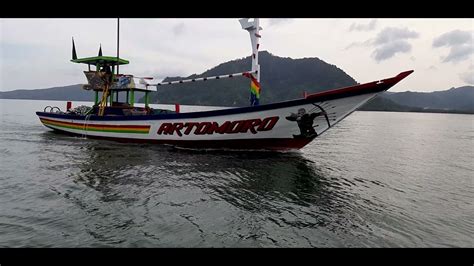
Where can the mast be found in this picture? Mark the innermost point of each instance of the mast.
(118, 43)
(253, 27)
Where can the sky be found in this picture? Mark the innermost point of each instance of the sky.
(35, 53)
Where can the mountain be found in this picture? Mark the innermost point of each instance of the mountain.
(72, 92)
(282, 78)
(459, 100)
(381, 103)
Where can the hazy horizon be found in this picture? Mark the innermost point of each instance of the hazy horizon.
(35, 53)
(390, 90)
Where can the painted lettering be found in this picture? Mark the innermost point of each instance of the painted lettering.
(189, 126)
(203, 128)
(164, 128)
(268, 123)
(228, 127)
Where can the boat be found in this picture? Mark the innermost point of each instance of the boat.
(286, 125)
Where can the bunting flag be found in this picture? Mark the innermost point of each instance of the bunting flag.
(100, 50)
(74, 55)
(254, 89)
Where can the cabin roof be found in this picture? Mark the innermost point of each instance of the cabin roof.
(101, 60)
(126, 89)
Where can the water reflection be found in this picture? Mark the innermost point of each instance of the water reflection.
(153, 193)
(252, 181)
(345, 190)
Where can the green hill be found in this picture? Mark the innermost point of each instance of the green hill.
(454, 100)
(381, 103)
(72, 92)
(461, 98)
(281, 79)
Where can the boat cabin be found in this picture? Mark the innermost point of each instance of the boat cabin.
(103, 79)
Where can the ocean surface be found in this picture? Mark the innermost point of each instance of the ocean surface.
(377, 179)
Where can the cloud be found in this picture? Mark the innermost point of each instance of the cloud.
(467, 77)
(458, 53)
(388, 42)
(178, 29)
(279, 21)
(390, 34)
(391, 41)
(460, 45)
(388, 50)
(363, 27)
(453, 38)
(359, 44)
(432, 68)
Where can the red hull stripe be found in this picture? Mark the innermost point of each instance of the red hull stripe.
(234, 144)
(141, 129)
(390, 82)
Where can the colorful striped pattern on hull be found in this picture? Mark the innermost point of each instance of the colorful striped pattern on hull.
(134, 129)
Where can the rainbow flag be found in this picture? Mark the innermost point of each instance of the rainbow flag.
(254, 89)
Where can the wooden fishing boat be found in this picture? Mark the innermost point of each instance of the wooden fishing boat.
(277, 126)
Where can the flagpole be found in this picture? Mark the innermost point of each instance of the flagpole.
(118, 43)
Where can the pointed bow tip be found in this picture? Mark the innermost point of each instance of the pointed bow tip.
(405, 74)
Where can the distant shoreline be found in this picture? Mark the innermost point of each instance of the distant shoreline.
(397, 111)
(421, 111)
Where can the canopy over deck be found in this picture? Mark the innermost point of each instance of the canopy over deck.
(125, 89)
(101, 60)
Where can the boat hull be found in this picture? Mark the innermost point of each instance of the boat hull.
(279, 126)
